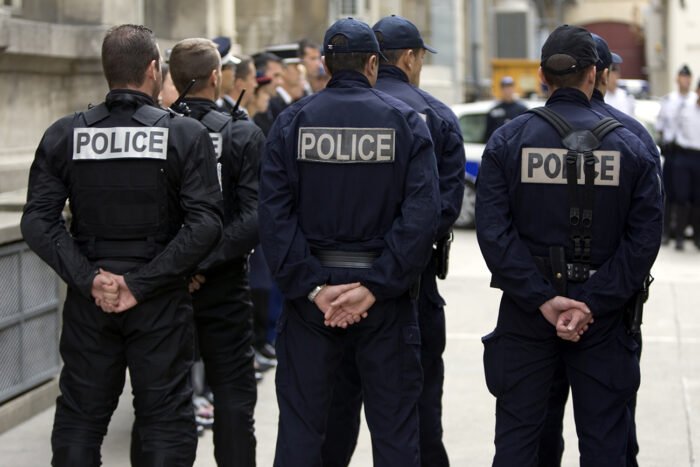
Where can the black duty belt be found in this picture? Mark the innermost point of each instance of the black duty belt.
(575, 272)
(345, 259)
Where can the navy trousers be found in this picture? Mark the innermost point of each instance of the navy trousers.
(386, 354)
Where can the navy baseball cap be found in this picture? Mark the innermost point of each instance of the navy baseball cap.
(223, 44)
(568, 49)
(605, 56)
(360, 37)
(396, 32)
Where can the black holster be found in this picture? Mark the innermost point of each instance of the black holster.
(442, 255)
(634, 309)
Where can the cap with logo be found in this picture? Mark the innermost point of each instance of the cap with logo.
(396, 32)
(359, 37)
(605, 56)
(224, 46)
(568, 49)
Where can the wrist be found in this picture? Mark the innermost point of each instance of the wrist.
(314, 293)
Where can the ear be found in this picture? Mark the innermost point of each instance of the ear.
(408, 58)
(605, 76)
(591, 74)
(373, 62)
(323, 60)
(152, 70)
(540, 75)
(213, 77)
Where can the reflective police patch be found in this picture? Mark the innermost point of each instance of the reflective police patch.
(346, 145)
(217, 141)
(120, 143)
(548, 166)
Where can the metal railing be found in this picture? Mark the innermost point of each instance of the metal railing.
(29, 321)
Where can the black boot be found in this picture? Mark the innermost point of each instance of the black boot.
(683, 219)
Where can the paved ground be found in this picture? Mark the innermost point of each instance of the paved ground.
(669, 399)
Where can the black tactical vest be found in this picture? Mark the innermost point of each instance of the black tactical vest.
(119, 186)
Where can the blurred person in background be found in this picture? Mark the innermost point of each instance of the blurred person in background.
(506, 110)
(667, 124)
(617, 96)
(686, 170)
(316, 76)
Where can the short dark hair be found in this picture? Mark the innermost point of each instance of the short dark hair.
(193, 59)
(263, 58)
(353, 61)
(127, 51)
(243, 68)
(307, 44)
(570, 80)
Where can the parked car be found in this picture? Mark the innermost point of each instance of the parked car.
(472, 122)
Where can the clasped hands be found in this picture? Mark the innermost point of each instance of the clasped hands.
(111, 292)
(571, 318)
(345, 304)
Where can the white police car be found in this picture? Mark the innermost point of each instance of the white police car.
(472, 122)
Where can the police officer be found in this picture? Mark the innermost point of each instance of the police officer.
(403, 51)
(349, 207)
(667, 124)
(222, 306)
(561, 263)
(686, 172)
(552, 443)
(506, 110)
(144, 200)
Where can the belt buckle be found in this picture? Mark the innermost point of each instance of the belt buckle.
(578, 272)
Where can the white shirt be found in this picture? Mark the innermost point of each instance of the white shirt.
(620, 100)
(671, 107)
(688, 134)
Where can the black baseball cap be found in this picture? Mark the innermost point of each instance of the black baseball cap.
(685, 71)
(399, 33)
(360, 37)
(605, 56)
(568, 49)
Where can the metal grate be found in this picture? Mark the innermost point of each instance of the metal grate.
(29, 321)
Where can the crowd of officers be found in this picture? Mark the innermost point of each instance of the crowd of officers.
(349, 177)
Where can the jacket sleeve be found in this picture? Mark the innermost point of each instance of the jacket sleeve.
(241, 235)
(507, 257)
(408, 244)
(42, 222)
(287, 251)
(619, 278)
(200, 197)
(450, 164)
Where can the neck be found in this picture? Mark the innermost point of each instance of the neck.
(208, 94)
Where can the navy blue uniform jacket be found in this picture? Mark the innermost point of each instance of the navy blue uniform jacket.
(518, 220)
(388, 208)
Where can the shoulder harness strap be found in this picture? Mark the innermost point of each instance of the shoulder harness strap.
(215, 120)
(580, 144)
(95, 114)
(149, 115)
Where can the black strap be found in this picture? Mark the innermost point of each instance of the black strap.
(554, 119)
(215, 120)
(604, 127)
(95, 114)
(149, 115)
(579, 143)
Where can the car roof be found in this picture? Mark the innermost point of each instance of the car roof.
(482, 107)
